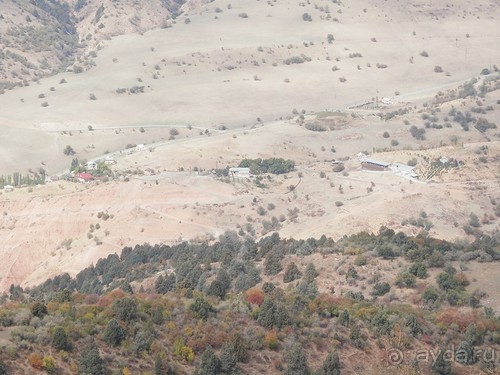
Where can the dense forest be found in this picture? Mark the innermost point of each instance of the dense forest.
(240, 306)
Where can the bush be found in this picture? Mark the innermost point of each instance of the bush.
(406, 280)
(379, 289)
(292, 273)
(39, 309)
(114, 333)
(306, 17)
(60, 339)
(201, 308)
(91, 362)
(68, 150)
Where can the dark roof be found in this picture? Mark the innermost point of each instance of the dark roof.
(376, 162)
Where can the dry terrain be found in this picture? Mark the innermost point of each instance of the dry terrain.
(248, 80)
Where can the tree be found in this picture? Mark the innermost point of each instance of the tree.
(220, 286)
(379, 289)
(165, 284)
(418, 269)
(91, 362)
(201, 308)
(69, 150)
(60, 339)
(292, 273)
(345, 318)
(331, 366)
(210, 364)
(39, 309)
(296, 361)
(229, 359)
(406, 280)
(159, 367)
(465, 353)
(125, 309)
(114, 333)
(3, 368)
(272, 264)
(330, 38)
(441, 366)
(310, 273)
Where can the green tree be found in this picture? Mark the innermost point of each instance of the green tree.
(344, 318)
(379, 289)
(210, 364)
(201, 308)
(406, 280)
(3, 368)
(91, 362)
(418, 269)
(292, 273)
(114, 333)
(39, 309)
(272, 263)
(296, 361)
(430, 295)
(229, 359)
(310, 273)
(159, 366)
(465, 353)
(69, 150)
(472, 335)
(331, 365)
(125, 309)
(413, 325)
(60, 339)
(157, 315)
(446, 281)
(441, 366)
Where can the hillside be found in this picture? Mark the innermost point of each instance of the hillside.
(240, 306)
(229, 65)
(40, 38)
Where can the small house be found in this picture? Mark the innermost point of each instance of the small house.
(84, 177)
(91, 166)
(239, 172)
(8, 188)
(110, 159)
(140, 147)
(404, 170)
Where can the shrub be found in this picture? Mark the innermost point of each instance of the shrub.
(60, 339)
(379, 289)
(201, 308)
(39, 309)
(91, 362)
(438, 69)
(424, 54)
(386, 135)
(406, 280)
(306, 17)
(292, 273)
(114, 333)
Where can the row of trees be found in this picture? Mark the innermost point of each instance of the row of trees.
(272, 165)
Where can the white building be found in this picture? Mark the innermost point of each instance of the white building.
(239, 172)
(140, 147)
(91, 165)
